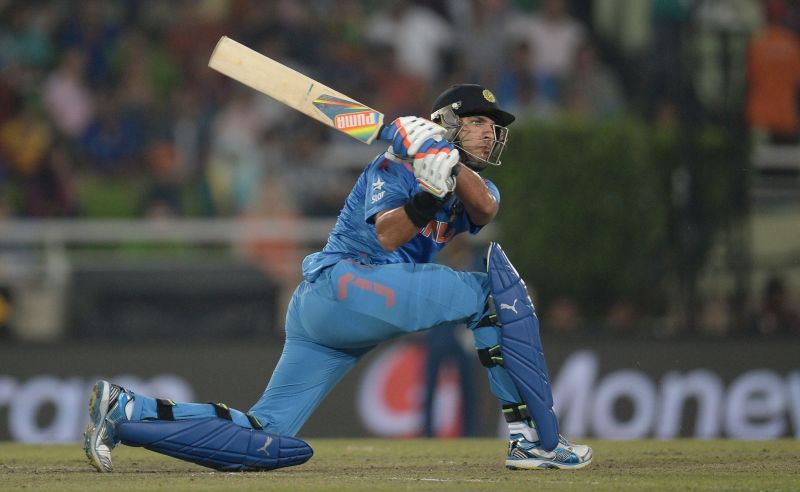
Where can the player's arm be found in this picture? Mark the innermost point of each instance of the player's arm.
(394, 228)
(479, 203)
(397, 226)
(434, 159)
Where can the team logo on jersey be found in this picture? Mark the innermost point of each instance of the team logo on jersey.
(437, 231)
(487, 94)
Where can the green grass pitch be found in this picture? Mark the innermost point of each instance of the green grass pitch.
(416, 464)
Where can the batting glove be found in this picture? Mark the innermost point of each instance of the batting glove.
(436, 170)
(408, 134)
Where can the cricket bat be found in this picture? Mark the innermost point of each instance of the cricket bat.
(296, 90)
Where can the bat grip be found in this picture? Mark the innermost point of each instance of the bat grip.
(386, 133)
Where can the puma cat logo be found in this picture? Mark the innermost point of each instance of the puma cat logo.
(266, 445)
(512, 307)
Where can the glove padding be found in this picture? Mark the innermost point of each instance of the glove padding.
(408, 134)
(435, 169)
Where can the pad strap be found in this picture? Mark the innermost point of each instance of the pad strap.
(221, 410)
(254, 421)
(164, 409)
(488, 320)
(516, 412)
(491, 356)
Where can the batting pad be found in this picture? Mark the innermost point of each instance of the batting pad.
(520, 344)
(216, 443)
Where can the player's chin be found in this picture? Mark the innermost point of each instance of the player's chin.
(480, 153)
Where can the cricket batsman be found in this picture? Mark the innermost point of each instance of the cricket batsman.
(372, 282)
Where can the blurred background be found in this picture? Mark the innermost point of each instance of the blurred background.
(153, 214)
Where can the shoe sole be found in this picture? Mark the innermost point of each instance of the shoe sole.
(534, 464)
(98, 408)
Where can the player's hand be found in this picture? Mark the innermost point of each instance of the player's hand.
(408, 134)
(436, 170)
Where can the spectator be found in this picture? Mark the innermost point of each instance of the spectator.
(776, 316)
(25, 140)
(50, 190)
(563, 318)
(94, 30)
(445, 347)
(773, 68)
(593, 92)
(527, 93)
(25, 35)
(480, 29)
(622, 319)
(398, 93)
(68, 97)
(554, 36)
(147, 74)
(8, 99)
(278, 257)
(113, 141)
(191, 127)
(163, 197)
(318, 188)
(665, 67)
(195, 34)
(420, 38)
(6, 312)
(452, 346)
(236, 161)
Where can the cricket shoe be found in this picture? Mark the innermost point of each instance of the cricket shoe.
(524, 454)
(106, 408)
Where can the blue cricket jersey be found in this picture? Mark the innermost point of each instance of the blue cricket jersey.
(384, 185)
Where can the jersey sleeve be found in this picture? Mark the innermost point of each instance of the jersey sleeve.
(474, 229)
(389, 185)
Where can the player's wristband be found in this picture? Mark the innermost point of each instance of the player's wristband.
(422, 208)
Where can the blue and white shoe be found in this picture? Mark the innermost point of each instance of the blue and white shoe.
(106, 408)
(526, 455)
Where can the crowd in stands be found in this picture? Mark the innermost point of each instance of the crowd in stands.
(97, 92)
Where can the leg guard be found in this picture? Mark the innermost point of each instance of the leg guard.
(216, 443)
(522, 352)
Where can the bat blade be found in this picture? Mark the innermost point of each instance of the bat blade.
(296, 90)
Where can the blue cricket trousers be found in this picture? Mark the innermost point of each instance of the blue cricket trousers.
(332, 322)
(336, 319)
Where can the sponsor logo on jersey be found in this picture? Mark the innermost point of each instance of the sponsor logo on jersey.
(377, 190)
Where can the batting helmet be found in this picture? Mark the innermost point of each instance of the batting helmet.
(472, 100)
